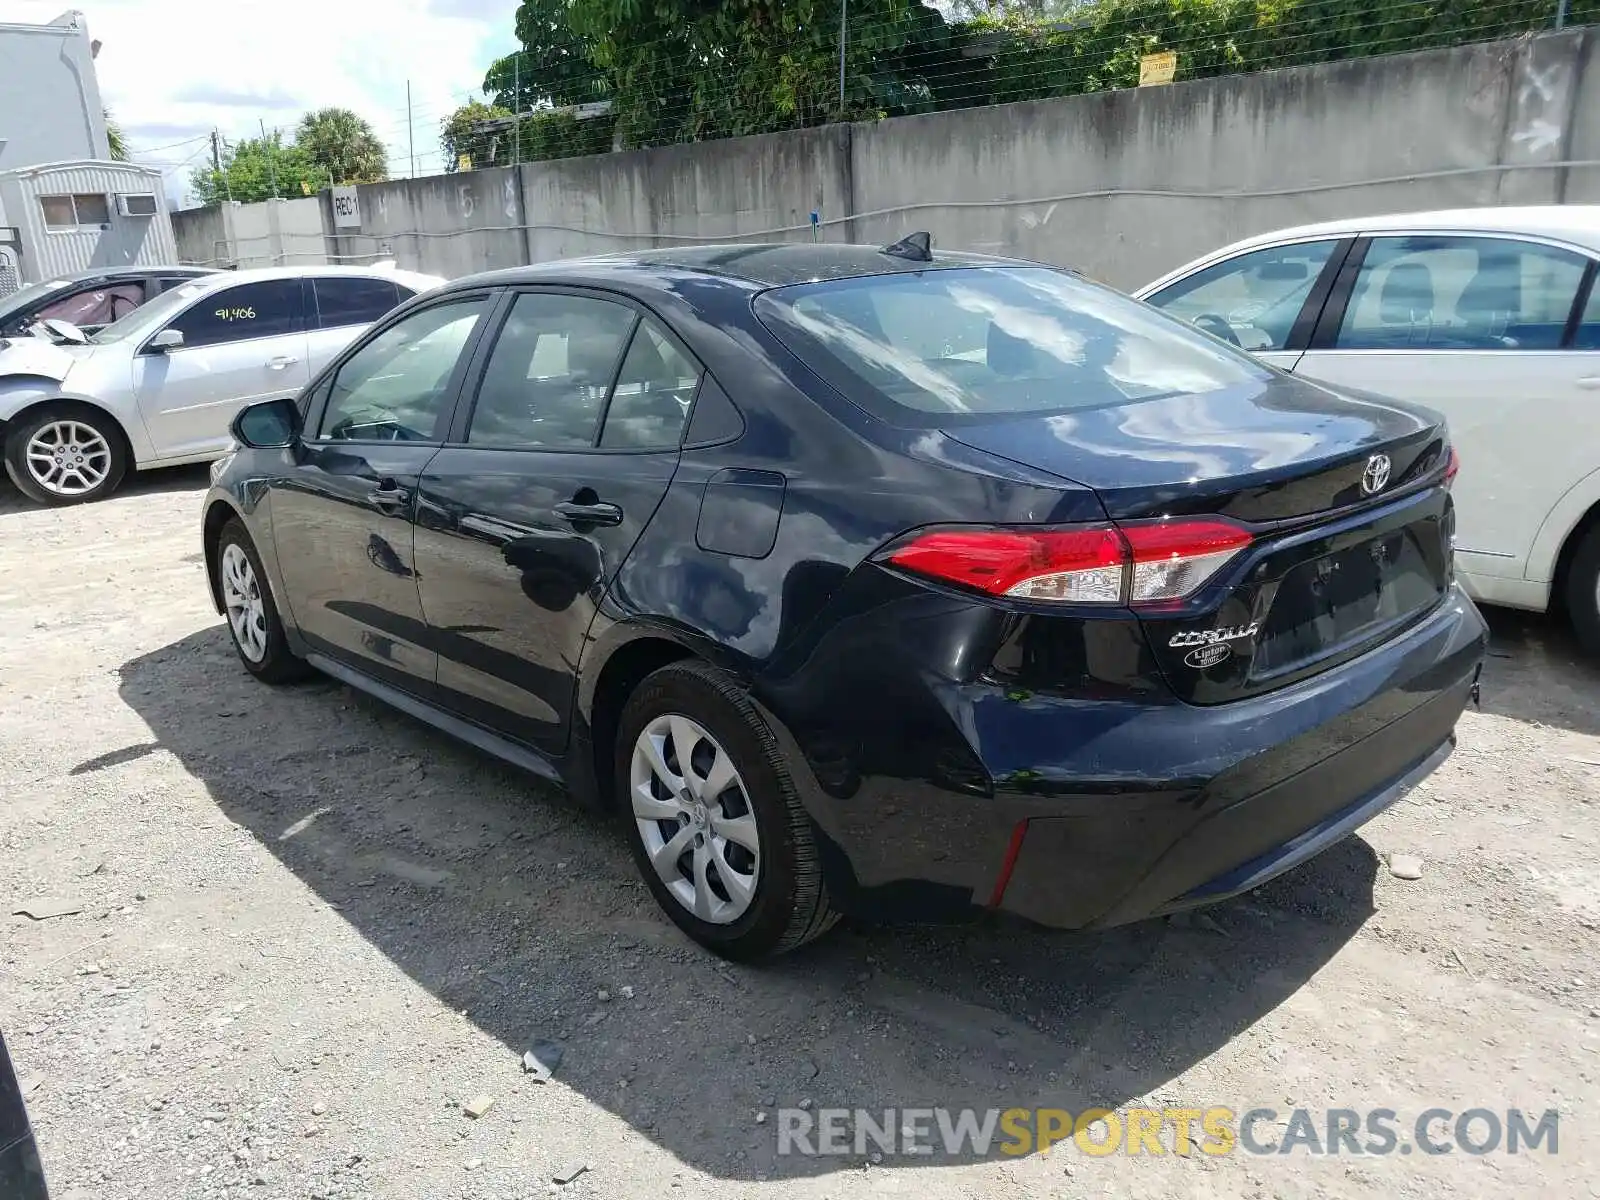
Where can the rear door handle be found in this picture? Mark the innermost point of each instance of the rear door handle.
(1590, 381)
(280, 362)
(388, 494)
(589, 514)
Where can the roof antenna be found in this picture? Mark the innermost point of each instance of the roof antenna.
(918, 247)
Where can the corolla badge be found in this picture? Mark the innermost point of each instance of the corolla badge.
(1213, 637)
(1376, 475)
(1208, 656)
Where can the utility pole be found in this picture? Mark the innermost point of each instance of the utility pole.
(516, 109)
(411, 131)
(844, 9)
(267, 149)
(1561, 14)
(216, 164)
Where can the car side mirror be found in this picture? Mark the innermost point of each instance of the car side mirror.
(167, 339)
(267, 424)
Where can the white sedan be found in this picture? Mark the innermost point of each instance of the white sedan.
(1490, 316)
(159, 387)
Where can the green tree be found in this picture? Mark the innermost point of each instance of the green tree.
(343, 145)
(459, 135)
(258, 169)
(554, 67)
(117, 140)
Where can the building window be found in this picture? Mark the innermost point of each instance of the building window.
(75, 212)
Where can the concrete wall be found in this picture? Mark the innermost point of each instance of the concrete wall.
(1239, 155)
(273, 233)
(1124, 185)
(49, 97)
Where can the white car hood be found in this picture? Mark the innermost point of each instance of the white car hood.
(35, 356)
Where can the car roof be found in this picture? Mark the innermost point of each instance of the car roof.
(221, 279)
(134, 272)
(754, 266)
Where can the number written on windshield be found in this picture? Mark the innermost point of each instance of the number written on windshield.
(236, 314)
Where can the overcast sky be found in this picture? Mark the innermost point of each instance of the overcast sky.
(170, 70)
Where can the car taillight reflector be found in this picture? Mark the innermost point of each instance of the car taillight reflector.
(1451, 467)
(1139, 563)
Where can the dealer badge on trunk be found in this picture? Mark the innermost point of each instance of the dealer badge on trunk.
(1211, 645)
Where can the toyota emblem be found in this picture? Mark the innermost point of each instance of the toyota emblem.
(1376, 476)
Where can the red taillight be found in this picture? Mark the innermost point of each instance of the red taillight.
(1451, 467)
(1139, 563)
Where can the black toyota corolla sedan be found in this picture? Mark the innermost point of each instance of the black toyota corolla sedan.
(871, 581)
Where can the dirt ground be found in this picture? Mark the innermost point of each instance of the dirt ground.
(312, 930)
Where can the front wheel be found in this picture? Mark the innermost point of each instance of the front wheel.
(66, 454)
(1583, 591)
(253, 620)
(716, 826)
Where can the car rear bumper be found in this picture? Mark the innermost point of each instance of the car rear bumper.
(1095, 813)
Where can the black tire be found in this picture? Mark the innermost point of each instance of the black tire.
(1583, 590)
(276, 664)
(790, 903)
(22, 432)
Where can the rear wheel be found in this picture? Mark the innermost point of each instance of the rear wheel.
(253, 620)
(714, 821)
(1583, 590)
(66, 454)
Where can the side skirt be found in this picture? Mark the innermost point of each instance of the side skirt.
(474, 735)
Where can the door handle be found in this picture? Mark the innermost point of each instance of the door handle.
(280, 362)
(388, 494)
(1590, 381)
(589, 514)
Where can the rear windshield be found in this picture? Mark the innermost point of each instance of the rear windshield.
(932, 346)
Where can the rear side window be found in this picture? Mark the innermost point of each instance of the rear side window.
(935, 346)
(345, 301)
(270, 308)
(1460, 293)
(654, 390)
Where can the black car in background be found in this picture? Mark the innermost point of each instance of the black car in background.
(866, 581)
(21, 1176)
(89, 299)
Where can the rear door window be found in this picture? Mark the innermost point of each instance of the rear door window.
(551, 368)
(937, 346)
(1427, 292)
(352, 300)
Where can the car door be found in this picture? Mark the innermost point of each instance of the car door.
(556, 465)
(342, 514)
(240, 344)
(1265, 300)
(341, 307)
(1480, 328)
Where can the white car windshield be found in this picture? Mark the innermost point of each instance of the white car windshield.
(152, 316)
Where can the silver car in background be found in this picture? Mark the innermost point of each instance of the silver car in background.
(159, 387)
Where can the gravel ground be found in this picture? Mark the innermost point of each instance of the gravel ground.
(312, 931)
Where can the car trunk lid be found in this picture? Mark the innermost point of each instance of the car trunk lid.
(1344, 499)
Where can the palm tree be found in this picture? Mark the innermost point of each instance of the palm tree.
(344, 145)
(116, 138)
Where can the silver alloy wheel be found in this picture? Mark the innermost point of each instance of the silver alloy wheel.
(695, 817)
(241, 596)
(68, 458)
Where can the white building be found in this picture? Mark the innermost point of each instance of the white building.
(64, 205)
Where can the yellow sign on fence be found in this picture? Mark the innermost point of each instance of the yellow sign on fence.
(464, 162)
(1158, 68)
